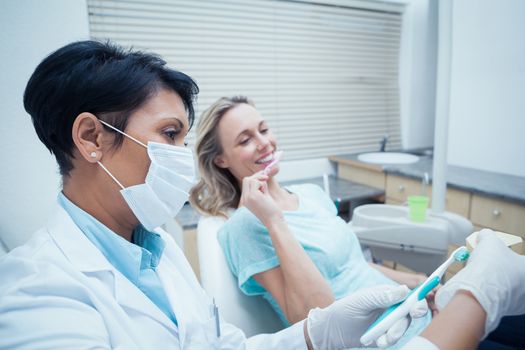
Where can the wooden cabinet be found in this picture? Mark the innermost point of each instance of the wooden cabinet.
(457, 201)
(398, 188)
(390, 200)
(363, 175)
(498, 214)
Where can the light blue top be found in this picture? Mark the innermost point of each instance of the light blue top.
(137, 260)
(326, 238)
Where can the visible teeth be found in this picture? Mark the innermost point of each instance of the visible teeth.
(265, 159)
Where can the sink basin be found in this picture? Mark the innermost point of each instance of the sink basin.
(371, 215)
(388, 158)
(381, 210)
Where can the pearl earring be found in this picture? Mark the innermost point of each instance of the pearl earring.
(93, 154)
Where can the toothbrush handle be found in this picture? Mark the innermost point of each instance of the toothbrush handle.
(397, 311)
(387, 320)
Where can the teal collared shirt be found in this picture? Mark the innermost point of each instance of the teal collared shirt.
(137, 260)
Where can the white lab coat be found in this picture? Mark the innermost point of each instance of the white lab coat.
(59, 292)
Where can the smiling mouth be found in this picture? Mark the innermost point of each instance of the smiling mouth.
(266, 159)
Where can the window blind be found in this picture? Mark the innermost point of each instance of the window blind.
(324, 76)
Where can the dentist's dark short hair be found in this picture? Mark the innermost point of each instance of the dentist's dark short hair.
(100, 78)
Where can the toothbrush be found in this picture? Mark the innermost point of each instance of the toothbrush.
(276, 158)
(399, 310)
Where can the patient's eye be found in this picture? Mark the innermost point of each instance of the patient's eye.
(244, 141)
(263, 127)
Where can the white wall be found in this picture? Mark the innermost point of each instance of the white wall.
(29, 180)
(487, 102)
(418, 73)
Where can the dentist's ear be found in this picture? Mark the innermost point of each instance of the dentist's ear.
(87, 136)
(220, 162)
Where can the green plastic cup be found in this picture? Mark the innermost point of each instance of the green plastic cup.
(417, 208)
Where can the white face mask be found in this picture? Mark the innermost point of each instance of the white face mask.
(170, 176)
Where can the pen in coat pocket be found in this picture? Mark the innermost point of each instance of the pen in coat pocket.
(216, 315)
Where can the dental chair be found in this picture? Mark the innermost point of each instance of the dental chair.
(176, 231)
(252, 314)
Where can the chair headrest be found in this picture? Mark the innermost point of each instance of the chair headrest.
(212, 224)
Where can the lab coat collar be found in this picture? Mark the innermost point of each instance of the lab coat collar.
(75, 245)
(86, 258)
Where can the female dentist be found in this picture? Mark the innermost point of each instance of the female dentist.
(101, 274)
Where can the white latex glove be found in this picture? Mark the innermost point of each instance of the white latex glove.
(494, 275)
(341, 325)
(395, 332)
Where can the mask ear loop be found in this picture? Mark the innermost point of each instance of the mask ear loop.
(110, 174)
(123, 133)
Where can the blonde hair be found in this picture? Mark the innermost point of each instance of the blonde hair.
(217, 189)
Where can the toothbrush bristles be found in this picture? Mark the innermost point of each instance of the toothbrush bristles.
(461, 254)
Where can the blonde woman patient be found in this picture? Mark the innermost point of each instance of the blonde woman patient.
(286, 244)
